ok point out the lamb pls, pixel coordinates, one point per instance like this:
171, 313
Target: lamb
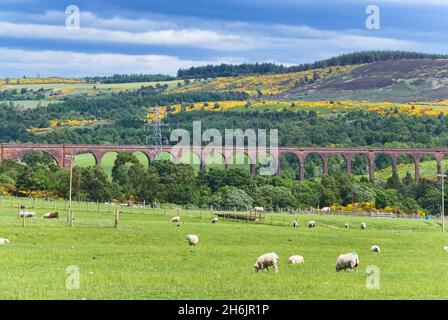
215, 220
347, 261
296, 260
267, 260
375, 248
295, 224
192, 239
175, 219
4, 241
312, 224
346, 226
363, 226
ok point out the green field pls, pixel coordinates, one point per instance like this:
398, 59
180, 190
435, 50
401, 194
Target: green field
428, 170
29, 104
147, 257
82, 88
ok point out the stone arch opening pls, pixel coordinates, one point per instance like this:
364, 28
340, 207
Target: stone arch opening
360, 164
85, 159
143, 158
337, 163
406, 165
384, 166
290, 165
214, 159
37, 155
107, 162
314, 165
240, 160
164, 156
192, 159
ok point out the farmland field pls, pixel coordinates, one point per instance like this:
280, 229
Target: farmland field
88, 86
147, 257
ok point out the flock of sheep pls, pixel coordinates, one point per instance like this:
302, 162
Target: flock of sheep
264, 262
31, 214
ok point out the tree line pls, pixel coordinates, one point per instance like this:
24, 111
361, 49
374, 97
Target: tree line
166, 183
128, 78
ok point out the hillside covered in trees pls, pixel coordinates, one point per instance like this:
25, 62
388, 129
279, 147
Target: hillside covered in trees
230, 70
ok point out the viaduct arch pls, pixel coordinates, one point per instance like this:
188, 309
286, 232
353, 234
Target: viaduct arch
64, 154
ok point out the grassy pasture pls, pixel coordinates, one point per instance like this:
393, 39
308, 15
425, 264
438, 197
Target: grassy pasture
147, 257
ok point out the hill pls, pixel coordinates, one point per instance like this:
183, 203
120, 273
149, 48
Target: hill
393, 80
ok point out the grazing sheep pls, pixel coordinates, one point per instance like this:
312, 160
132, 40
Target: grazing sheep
215, 220
192, 239
27, 214
363, 226
51, 215
312, 224
267, 260
347, 261
295, 224
4, 241
445, 248
346, 226
375, 248
296, 260
175, 219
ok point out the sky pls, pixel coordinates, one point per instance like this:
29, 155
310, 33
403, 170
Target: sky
161, 36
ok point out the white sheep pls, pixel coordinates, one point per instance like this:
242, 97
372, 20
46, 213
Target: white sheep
363, 226
295, 224
215, 220
347, 261
4, 241
311, 224
267, 260
375, 248
192, 239
175, 219
296, 260
346, 226
326, 209
27, 214
445, 248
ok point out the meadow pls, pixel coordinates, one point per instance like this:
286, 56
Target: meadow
147, 257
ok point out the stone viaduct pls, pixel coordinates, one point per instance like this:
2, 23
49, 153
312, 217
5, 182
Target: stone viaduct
64, 154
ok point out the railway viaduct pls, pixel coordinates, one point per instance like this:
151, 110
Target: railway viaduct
64, 154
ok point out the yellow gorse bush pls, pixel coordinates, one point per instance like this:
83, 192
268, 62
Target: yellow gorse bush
382, 108
271, 84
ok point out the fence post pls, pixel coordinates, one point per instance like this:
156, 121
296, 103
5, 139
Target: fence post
23, 218
71, 218
117, 211
98, 205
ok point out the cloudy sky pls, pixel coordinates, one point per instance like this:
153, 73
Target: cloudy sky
161, 36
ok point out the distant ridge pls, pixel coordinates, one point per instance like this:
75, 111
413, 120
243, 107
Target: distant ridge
229, 70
